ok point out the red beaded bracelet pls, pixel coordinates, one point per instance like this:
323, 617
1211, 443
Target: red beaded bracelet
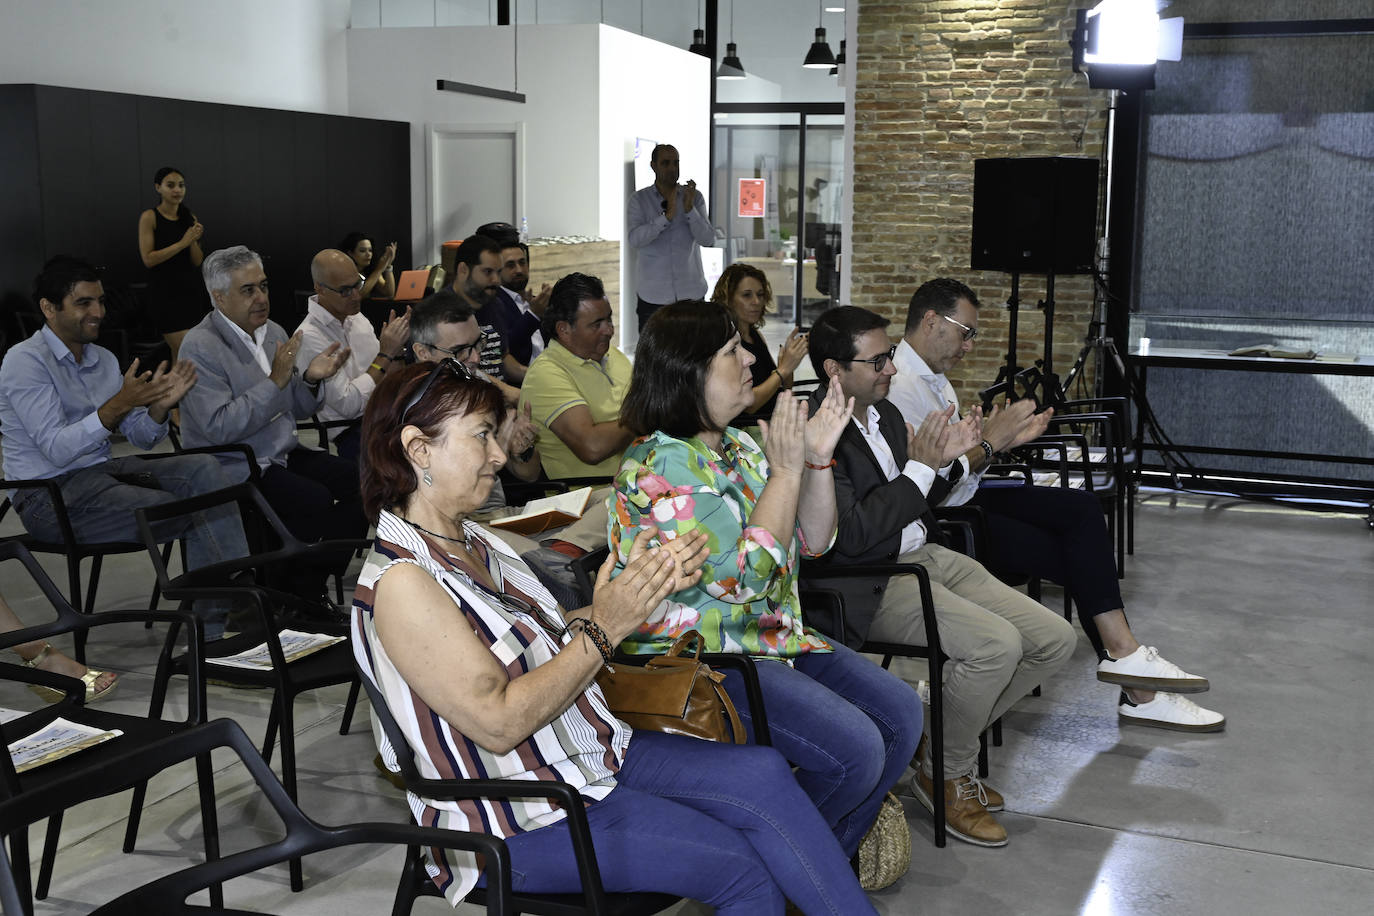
820, 467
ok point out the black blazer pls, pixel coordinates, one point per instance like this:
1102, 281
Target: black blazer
872, 513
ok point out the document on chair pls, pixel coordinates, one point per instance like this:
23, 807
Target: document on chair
60, 738
550, 512
294, 645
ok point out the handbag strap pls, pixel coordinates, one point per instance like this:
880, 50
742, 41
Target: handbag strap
680, 644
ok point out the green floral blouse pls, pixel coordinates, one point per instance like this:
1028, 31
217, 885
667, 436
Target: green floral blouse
746, 600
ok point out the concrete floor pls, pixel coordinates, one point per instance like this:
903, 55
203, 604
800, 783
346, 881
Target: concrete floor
1271, 816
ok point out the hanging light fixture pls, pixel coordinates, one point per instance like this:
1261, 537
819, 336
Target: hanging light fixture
820, 57
839, 60
730, 68
699, 37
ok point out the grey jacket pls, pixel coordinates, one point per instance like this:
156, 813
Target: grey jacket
233, 400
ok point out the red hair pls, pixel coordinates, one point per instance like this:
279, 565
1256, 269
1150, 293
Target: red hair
386, 476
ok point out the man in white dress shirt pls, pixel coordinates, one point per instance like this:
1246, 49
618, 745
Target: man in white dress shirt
668, 225
333, 316
1048, 532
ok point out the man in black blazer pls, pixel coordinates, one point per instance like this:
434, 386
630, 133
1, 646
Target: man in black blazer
1000, 642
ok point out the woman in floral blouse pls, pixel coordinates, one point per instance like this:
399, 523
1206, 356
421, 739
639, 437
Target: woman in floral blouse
848, 725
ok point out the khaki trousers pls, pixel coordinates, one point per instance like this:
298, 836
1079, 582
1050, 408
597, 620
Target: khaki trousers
1000, 643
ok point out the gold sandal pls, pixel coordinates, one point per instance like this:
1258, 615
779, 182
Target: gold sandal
52, 695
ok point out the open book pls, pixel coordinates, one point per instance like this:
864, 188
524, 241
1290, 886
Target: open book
550, 512
1273, 350
59, 738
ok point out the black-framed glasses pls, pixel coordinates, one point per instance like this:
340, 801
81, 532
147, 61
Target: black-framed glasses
460, 353
344, 291
969, 333
878, 362
452, 365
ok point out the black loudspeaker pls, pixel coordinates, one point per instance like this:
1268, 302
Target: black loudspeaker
1035, 215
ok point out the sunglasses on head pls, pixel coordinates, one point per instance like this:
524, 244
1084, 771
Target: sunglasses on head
451, 365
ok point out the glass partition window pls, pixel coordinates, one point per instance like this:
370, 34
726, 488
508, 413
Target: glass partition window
777, 189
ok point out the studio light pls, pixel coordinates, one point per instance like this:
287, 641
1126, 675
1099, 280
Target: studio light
1118, 42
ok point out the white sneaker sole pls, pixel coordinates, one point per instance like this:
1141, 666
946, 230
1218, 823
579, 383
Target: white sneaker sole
1171, 726
1166, 684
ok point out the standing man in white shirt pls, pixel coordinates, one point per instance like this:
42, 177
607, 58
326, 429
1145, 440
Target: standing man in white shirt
333, 317
668, 225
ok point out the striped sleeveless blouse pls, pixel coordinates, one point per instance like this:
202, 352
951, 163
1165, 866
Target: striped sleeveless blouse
583, 747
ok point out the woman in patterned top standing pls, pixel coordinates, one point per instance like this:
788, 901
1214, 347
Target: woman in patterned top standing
849, 726
488, 679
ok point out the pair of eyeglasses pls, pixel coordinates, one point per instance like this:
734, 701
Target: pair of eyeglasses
345, 291
463, 352
450, 364
969, 333
877, 362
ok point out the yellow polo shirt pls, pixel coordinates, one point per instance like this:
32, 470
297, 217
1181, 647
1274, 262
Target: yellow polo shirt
556, 381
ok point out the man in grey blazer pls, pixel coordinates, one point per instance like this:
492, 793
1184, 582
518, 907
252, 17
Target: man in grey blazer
250, 391
1000, 643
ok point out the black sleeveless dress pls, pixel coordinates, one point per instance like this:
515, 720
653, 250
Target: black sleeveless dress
177, 299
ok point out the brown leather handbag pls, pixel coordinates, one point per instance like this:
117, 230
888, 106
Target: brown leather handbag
673, 693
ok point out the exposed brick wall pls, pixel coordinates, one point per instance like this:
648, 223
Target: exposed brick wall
940, 83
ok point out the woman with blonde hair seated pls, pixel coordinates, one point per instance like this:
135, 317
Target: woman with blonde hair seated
744, 290
488, 678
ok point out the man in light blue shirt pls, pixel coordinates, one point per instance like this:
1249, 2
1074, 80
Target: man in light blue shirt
668, 225
62, 397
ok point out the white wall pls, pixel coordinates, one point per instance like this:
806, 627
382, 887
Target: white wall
263, 53
392, 74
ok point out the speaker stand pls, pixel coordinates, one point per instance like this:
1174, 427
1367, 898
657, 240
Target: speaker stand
1051, 392
1005, 383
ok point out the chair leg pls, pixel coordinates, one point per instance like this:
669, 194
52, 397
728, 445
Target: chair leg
350, 705
45, 866
74, 587
159, 696
937, 752
409, 886
983, 755
209, 821
288, 771
997, 731
273, 721
19, 862
96, 562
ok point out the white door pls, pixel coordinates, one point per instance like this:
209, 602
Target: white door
475, 176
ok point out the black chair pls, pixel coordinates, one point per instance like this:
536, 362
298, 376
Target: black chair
234, 581
73, 550
416, 883
814, 574
584, 570
92, 766
167, 895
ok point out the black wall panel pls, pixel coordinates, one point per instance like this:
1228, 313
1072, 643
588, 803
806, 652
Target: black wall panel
76, 170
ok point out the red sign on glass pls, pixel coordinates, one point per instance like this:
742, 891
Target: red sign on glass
751, 197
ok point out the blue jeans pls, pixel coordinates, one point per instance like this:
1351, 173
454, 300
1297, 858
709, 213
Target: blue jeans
101, 500
849, 727
721, 823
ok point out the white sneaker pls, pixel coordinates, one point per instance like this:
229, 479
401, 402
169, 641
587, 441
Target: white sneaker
1169, 710
1146, 669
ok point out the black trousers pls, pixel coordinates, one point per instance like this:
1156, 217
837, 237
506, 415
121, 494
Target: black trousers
1055, 534
317, 497
645, 310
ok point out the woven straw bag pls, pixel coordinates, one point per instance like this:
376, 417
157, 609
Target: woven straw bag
885, 853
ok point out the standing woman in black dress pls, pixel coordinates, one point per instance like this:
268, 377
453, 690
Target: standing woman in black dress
169, 241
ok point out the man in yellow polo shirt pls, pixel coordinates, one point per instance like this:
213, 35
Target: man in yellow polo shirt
576, 385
